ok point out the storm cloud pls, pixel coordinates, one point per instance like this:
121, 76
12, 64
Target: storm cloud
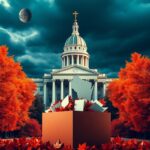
112, 29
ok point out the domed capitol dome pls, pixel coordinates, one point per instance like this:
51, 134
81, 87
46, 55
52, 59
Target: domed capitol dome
75, 49
74, 40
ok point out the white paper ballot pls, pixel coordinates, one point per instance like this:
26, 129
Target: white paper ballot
97, 106
65, 101
53, 107
57, 105
79, 105
97, 102
46, 111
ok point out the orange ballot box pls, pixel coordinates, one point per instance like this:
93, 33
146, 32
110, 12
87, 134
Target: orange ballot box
74, 127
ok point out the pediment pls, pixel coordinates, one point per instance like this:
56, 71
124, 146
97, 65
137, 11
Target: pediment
75, 70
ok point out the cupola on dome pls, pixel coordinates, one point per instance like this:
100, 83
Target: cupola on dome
75, 39
75, 49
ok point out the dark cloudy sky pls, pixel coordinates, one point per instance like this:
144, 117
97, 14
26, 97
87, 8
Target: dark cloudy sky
112, 29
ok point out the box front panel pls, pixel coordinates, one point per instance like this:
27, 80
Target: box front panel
57, 125
91, 127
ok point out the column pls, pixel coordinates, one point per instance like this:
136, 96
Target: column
70, 88
77, 59
82, 60
53, 91
72, 60
62, 61
85, 61
88, 62
104, 89
95, 90
67, 60
45, 94
62, 89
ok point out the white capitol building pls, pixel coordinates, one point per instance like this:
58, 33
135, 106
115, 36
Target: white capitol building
75, 62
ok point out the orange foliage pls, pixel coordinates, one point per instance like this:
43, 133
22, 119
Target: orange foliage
16, 93
82, 146
131, 93
37, 144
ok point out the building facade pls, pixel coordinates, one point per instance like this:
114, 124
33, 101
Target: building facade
75, 62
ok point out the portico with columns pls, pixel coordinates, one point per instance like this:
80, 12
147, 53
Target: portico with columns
75, 62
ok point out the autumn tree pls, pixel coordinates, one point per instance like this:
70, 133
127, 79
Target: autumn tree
130, 93
16, 93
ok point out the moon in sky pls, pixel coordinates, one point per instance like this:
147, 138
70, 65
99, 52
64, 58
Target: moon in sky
25, 15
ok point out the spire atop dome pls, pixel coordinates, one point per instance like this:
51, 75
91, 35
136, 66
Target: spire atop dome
75, 13
75, 26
